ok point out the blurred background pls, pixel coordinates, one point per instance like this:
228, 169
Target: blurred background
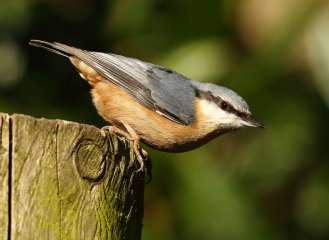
250, 184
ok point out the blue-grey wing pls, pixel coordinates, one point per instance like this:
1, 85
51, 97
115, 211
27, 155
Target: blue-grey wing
173, 93
160, 89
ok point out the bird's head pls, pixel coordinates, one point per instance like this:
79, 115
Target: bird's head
224, 109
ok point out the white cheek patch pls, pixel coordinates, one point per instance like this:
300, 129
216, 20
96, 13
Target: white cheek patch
215, 115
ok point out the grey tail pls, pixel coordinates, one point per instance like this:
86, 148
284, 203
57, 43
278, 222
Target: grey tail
68, 51
55, 47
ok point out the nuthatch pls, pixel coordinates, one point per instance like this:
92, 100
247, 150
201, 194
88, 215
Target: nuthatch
153, 104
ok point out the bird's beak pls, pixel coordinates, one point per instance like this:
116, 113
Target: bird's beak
250, 122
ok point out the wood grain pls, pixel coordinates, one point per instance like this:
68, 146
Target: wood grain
4, 176
63, 180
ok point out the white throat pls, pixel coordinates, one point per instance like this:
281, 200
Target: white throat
215, 116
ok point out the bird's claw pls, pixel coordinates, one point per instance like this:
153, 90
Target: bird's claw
141, 155
145, 164
106, 129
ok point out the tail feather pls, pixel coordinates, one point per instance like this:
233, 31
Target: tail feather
78, 57
71, 53
65, 50
57, 48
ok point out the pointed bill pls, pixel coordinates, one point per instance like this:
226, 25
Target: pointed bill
250, 122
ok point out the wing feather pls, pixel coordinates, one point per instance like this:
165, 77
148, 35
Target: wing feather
166, 92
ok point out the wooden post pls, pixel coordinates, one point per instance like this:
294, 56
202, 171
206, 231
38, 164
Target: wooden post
63, 180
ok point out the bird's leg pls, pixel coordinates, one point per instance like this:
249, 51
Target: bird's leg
132, 136
115, 130
137, 149
141, 154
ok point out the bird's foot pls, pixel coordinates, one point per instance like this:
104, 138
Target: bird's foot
114, 130
140, 153
139, 156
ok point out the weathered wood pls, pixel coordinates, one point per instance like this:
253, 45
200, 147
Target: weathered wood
63, 180
4, 166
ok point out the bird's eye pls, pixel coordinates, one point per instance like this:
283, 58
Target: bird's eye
223, 105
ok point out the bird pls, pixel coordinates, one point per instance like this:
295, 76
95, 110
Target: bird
158, 106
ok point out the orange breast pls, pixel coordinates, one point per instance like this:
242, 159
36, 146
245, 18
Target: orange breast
115, 105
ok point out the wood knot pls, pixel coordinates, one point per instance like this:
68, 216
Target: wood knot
90, 160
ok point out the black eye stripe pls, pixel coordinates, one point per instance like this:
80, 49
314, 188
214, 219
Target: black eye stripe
243, 115
229, 108
224, 105
221, 103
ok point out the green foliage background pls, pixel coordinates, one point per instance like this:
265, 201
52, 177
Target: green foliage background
250, 184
